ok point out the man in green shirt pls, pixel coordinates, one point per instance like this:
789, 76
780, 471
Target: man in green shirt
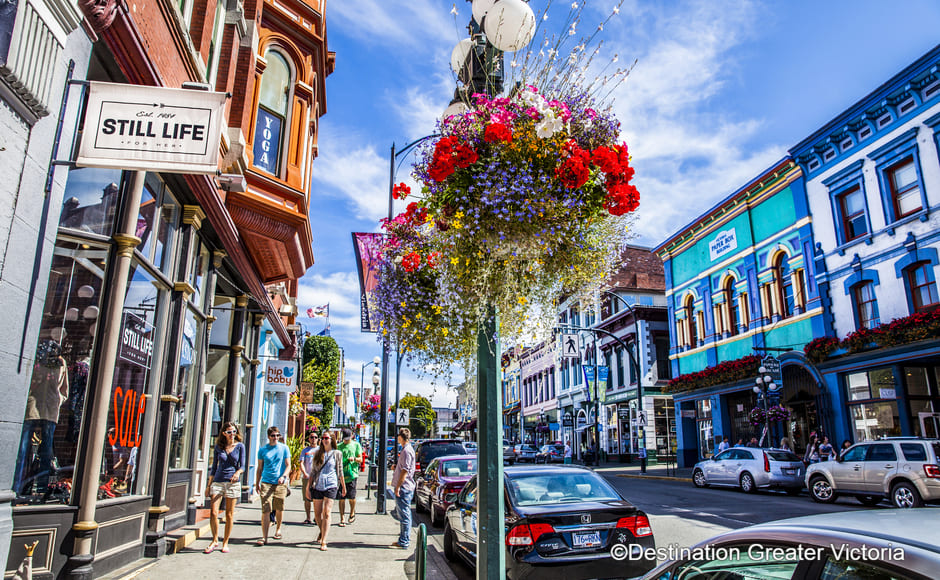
352, 457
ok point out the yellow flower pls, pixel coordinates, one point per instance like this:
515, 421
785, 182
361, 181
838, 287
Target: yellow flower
403, 304
455, 261
458, 215
444, 331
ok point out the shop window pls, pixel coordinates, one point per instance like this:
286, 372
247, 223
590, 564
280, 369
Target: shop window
198, 276
619, 352
915, 379
783, 281
91, 200
218, 27
188, 390
273, 119
156, 223
692, 338
52, 426
922, 286
873, 384
730, 307
875, 420
706, 439
127, 452
866, 307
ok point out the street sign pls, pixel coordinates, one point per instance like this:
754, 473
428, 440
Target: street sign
567, 420
315, 408
402, 417
641, 419
569, 346
772, 365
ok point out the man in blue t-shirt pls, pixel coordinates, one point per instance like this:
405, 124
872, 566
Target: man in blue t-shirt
271, 482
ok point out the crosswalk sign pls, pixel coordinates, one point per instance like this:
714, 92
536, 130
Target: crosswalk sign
570, 346
402, 417
641, 419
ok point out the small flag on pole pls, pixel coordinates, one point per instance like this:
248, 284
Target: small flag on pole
319, 311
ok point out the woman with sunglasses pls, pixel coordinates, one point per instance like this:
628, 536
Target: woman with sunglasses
306, 466
228, 464
326, 479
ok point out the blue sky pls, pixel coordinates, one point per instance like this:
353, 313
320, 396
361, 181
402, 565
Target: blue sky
720, 91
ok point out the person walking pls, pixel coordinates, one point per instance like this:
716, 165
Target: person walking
352, 456
326, 481
825, 450
724, 445
845, 445
567, 453
228, 464
306, 465
785, 445
271, 482
404, 483
812, 451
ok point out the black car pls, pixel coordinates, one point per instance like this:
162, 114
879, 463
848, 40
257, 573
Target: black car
429, 450
562, 522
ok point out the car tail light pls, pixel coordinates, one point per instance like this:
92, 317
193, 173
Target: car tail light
766, 462
527, 534
417, 467
932, 471
638, 525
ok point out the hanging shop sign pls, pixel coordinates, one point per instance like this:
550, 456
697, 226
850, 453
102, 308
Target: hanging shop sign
151, 128
136, 340
280, 376
306, 392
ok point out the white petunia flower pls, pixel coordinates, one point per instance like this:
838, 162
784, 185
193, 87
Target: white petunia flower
616, 10
454, 10
574, 5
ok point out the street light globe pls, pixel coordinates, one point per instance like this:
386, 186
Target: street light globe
762, 369
375, 380
757, 389
479, 8
768, 378
455, 108
377, 360
773, 386
759, 381
458, 57
510, 25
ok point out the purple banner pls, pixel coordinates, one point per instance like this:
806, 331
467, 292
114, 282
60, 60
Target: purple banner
368, 256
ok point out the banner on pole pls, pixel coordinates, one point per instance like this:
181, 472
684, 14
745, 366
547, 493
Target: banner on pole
368, 248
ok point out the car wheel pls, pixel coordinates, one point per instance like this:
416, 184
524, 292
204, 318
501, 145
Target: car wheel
904, 495
450, 549
698, 478
821, 490
747, 483
869, 500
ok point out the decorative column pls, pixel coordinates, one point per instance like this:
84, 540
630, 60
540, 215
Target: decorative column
256, 321
155, 539
235, 357
79, 565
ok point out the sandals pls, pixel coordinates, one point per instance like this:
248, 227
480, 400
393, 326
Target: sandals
225, 550
307, 522
352, 518
277, 536
261, 541
323, 547
211, 548
342, 524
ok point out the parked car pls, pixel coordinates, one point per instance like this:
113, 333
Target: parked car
751, 468
443, 477
553, 453
431, 449
852, 545
904, 470
522, 453
470, 446
561, 522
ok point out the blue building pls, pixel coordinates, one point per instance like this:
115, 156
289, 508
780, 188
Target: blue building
740, 284
873, 182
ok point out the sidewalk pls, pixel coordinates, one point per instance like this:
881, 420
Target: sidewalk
359, 550
654, 471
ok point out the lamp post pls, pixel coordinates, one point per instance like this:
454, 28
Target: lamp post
639, 375
764, 387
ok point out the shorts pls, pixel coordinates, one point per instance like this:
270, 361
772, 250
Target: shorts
227, 489
272, 497
350, 490
324, 494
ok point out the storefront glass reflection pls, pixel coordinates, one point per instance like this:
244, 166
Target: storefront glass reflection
187, 390
91, 200
52, 424
129, 408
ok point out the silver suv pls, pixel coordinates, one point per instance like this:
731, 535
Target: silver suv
905, 470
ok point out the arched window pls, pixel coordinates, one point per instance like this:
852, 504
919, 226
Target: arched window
690, 318
784, 281
273, 112
731, 307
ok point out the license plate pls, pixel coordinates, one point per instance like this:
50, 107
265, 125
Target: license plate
788, 471
586, 539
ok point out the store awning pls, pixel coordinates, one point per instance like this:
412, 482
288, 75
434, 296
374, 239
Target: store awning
471, 425
582, 428
457, 427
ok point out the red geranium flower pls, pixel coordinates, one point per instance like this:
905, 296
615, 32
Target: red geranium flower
497, 132
411, 262
400, 191
606, 159
465, 156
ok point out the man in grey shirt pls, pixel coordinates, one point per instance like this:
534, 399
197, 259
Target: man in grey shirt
404, 483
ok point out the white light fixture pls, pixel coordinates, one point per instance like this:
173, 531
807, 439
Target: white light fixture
91, 313
510, 25
455, 108
85, 291
479, 8
458, 57
757, 389
762, 370
71, 314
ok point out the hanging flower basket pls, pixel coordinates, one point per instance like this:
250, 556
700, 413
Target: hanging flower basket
370, 409
757, 415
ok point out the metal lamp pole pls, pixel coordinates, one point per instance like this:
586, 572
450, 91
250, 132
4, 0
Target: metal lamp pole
765, 385
639, 374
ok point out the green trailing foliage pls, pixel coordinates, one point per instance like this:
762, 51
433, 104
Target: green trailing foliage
321, 358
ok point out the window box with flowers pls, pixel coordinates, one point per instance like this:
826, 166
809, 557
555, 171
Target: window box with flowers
898, 332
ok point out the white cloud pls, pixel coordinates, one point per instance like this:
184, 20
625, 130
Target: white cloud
395, 22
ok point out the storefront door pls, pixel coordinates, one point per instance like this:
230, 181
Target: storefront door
930, 425
204, 454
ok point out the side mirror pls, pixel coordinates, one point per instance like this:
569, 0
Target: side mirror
451, 497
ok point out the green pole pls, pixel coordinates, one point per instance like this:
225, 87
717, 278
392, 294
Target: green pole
491, 553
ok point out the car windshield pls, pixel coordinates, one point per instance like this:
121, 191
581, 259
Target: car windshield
778, 455
552, 487
526, 448
434, 450
459, 468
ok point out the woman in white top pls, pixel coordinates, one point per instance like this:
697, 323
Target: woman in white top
326, 479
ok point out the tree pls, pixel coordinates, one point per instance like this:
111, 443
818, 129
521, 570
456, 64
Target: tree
422, 416
321, 358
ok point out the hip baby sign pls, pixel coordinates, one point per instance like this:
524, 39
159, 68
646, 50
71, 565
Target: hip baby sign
280, 376
151, 128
